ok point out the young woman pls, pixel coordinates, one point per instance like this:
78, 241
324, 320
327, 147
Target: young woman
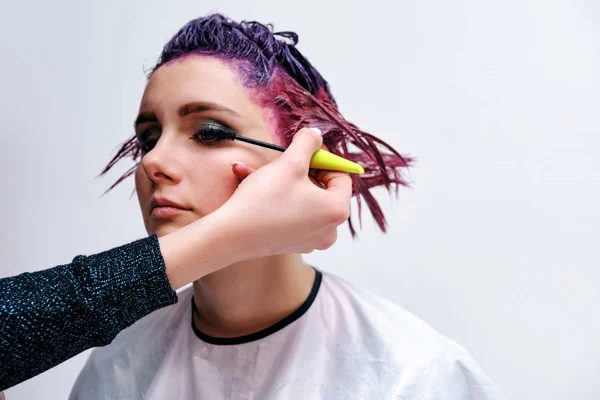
269, 327
95, 297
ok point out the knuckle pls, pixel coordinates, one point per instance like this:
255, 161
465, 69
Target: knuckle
347, 185
328, 240
321, 246
344, 213
348, 181
340, 214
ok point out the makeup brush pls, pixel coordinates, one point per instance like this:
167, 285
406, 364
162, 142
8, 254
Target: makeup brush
321, 159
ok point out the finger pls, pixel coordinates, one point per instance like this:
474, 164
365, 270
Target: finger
316, 182
305, 143
336, 182
241, 170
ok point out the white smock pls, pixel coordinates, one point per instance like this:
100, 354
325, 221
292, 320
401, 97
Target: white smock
342, 343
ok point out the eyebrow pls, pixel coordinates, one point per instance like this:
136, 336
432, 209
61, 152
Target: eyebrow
185, 110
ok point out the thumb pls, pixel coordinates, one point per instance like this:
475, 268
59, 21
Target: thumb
304, 144
241, 170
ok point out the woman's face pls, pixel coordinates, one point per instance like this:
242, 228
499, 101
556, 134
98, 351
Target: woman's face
182, 178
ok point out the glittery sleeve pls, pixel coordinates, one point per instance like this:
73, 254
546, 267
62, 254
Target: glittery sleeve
49, 316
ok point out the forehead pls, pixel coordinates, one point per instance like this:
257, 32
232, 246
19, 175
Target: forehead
197, 78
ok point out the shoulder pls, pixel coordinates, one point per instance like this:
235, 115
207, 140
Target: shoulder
387, 333
406, 337
451, 376
368, 317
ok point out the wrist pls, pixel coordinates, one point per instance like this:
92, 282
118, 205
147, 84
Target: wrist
198, 249
229, 235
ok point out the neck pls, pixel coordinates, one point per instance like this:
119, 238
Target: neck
252, 295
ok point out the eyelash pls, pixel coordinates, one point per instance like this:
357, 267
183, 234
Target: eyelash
209, 134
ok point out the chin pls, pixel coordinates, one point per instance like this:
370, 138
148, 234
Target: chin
163, 227
160, 232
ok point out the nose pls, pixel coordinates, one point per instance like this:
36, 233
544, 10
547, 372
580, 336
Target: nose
160, 164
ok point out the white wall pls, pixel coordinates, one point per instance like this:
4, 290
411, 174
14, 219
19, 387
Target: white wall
497, 244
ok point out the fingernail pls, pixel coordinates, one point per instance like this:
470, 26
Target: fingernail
317, 130
234, 163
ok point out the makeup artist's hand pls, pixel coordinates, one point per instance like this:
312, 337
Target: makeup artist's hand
277, 209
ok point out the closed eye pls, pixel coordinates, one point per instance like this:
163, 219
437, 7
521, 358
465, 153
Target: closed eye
147, 139
213, 132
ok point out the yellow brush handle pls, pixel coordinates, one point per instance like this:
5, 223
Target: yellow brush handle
323, 159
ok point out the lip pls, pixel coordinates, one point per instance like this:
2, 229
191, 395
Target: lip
161, 207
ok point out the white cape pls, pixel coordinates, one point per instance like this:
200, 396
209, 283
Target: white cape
344, 343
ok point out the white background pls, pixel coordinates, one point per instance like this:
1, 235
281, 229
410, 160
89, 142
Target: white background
496, 244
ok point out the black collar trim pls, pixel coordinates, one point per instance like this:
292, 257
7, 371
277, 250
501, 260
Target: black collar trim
300, 311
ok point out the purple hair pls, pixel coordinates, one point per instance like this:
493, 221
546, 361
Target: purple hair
285, 81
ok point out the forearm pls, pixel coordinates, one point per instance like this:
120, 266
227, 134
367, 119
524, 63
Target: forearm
49, 316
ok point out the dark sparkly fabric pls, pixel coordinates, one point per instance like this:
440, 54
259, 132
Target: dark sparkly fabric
49, 316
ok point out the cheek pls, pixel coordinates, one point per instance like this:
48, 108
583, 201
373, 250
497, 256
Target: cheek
142, 186
214, 181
